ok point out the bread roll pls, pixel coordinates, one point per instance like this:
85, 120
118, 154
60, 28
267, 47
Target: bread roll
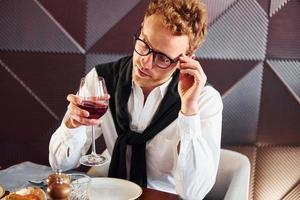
30, 193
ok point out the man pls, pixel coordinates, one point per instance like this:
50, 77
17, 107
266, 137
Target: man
163, 126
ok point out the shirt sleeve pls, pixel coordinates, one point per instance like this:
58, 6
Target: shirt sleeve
66, 147
200, 138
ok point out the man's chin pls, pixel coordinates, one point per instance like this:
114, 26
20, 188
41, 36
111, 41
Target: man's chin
142, 82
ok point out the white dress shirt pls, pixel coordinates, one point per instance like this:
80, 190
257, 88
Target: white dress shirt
190, 173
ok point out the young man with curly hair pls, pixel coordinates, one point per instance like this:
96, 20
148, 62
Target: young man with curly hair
163, 126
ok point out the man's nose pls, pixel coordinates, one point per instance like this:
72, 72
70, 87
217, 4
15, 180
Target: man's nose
147, 61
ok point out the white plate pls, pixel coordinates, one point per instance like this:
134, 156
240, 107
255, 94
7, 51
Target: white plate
113, 189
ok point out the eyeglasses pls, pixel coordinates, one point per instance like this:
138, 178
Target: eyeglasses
160, 60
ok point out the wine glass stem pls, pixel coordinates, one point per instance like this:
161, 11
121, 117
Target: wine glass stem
93, 142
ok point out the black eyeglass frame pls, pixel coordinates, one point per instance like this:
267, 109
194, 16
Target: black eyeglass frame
172, 61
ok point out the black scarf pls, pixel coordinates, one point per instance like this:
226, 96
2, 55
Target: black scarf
118, 77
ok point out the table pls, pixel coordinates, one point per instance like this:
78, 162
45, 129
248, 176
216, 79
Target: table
150, 194
16, 177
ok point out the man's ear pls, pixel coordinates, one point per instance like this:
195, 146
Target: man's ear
192, 54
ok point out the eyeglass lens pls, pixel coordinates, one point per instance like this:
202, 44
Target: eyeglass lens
159, 59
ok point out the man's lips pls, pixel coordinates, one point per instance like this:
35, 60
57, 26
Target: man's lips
141, 73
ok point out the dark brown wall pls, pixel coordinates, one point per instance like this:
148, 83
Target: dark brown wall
251, 55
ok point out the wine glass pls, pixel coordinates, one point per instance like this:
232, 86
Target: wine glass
93, 91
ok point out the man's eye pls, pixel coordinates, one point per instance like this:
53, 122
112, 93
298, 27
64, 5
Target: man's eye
144, 46
164, 59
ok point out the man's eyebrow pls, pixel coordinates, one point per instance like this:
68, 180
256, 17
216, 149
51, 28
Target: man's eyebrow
148, 42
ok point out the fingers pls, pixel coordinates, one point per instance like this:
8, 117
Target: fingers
192, 72
78, 116
78, 120
105, 97
189, 62
74, 99
75, 110
192, 64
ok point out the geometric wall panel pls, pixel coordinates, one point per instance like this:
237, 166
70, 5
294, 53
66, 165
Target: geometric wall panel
293, 194
280, 112
276, 5
241, 109
265, 4
241, 33
50, 76
39, 155
289, 73
21, 23
216, 7
72, 17
91, 60
284, 32
251, 56
110, 12
277, 171
25, 123
19, 103
119, 39
11, 73
216, 70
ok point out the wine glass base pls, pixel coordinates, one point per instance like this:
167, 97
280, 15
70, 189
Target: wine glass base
92, 160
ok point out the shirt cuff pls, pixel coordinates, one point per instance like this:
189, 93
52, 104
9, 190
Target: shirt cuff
189, 126
73, 136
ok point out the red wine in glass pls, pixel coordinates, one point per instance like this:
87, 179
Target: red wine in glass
95, 109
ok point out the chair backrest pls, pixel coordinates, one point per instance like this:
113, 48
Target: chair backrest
233, 177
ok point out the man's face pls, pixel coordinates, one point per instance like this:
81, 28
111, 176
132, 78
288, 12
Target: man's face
145, 73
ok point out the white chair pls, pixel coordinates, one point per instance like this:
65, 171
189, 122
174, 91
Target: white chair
233, 177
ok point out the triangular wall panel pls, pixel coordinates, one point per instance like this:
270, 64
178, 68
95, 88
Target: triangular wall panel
289, 72
119, 39
18, 105
92, 60
277, 171
71, 15
276, 5
215, 8
280, 112
21, 29
265, 4
216, 70
241, 109
51, 77
284, 33
103, 15
241, 33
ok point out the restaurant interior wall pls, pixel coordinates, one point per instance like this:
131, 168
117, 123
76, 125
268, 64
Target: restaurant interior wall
251, 55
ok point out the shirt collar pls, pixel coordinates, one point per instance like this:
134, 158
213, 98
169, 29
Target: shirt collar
162, 88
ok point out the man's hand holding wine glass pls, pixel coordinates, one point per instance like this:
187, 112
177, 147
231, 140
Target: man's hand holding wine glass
86, 109
78, 116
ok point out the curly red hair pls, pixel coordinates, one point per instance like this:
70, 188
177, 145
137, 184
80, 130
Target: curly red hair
182, 17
